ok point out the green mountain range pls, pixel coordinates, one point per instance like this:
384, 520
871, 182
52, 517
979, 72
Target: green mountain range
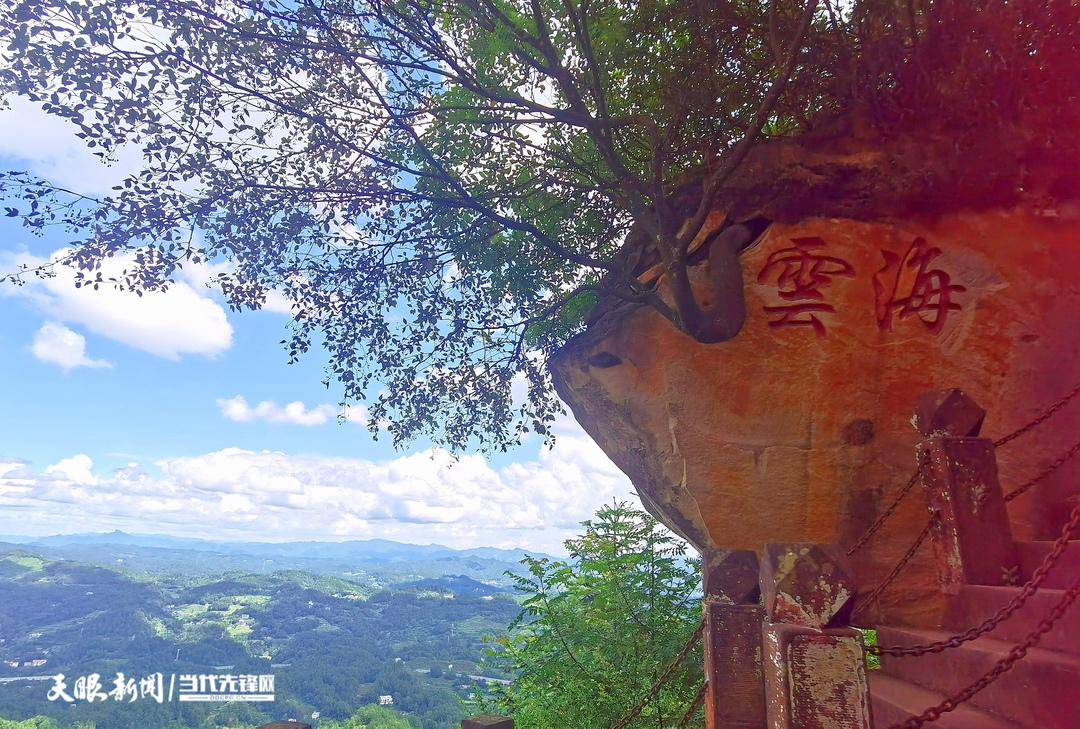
338, 626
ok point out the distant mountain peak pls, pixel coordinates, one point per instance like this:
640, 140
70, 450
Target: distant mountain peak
369, 549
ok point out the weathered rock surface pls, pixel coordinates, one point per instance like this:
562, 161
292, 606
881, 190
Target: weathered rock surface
799, 429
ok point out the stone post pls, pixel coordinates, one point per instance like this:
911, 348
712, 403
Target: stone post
972, 540
735, 697
815, 671
487, 721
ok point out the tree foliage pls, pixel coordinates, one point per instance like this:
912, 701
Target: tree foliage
370, 717
37, 722
443, 188
596, 633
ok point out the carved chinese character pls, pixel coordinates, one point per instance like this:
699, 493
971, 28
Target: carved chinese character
907, 286
801, 274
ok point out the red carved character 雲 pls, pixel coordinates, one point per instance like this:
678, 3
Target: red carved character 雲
802, 271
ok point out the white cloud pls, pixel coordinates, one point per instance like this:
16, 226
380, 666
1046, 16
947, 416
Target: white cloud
355, 414
75, 470
277, 302
238, 410
249, 495
48, 146
56, 344
179, 320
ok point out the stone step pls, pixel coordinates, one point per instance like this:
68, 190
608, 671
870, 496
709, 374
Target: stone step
894, 701
1065, 571
976, 603
1037, 692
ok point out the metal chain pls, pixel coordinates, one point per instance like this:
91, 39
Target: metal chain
694, 706
1046, 472
1017, 653
1039, 420
1029, 589
892, 507
625, 722
899, 565
998, 443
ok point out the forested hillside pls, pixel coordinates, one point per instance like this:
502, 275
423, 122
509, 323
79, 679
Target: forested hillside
333, 645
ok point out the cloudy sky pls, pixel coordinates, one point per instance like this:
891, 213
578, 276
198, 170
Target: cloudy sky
168, 414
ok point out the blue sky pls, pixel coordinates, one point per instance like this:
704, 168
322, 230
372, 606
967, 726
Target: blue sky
168, 414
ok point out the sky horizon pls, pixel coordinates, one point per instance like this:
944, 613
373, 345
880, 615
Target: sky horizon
24, 539
170, 414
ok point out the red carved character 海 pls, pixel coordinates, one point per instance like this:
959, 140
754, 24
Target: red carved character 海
907, 286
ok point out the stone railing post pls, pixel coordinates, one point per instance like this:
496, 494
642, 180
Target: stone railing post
487, 721
735, 697
973, 543
815, 671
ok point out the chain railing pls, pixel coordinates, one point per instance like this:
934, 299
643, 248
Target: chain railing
664, 678
1058, 463
694, 706
997, 444
1039, 420
888, 512
1037, 578
1024, 488
1017, 653
1029, 589
999, 668
1019, 650
876, 592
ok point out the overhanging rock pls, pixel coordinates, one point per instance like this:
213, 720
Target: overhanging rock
799, 428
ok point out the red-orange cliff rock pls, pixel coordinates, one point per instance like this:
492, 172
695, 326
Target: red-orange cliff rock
799, 428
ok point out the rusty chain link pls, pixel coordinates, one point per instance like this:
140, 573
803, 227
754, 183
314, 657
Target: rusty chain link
1046, 472
997, 443
1039, 420
694, 705
1029, 589
625, 721
1017, 652
876, 592
892, 507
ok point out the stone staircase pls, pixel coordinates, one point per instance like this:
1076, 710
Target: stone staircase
1041, 691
